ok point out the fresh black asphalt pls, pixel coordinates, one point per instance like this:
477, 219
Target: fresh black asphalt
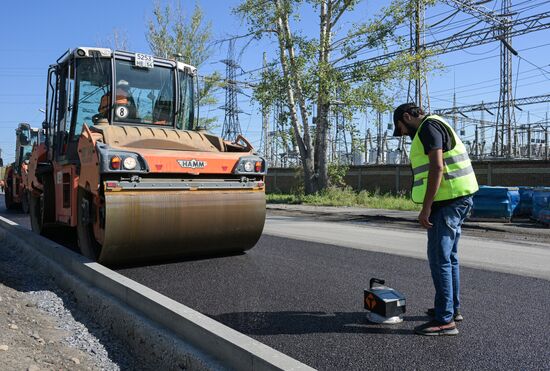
305, 300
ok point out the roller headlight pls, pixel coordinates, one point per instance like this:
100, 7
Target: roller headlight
117, 161
248, 166
253, 165
130, 163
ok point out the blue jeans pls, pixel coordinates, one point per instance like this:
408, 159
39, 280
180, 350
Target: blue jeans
443, 239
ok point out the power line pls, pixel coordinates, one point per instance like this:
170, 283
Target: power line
459, 88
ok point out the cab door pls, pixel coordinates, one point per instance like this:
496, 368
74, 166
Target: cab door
64, 164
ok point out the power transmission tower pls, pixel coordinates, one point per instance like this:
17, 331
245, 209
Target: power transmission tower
418, 88
231, 126
506, 119
417, 44
340, 147
493, 105
278, 138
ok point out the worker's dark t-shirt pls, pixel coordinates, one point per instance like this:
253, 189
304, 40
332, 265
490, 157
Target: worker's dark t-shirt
435, 135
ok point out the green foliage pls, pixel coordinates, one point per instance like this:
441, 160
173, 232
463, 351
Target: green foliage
368, 85
298, 187
346, 197
313, 74
336, 174
171, 34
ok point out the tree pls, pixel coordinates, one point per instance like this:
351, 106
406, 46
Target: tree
307, 73
117, 41
173, 35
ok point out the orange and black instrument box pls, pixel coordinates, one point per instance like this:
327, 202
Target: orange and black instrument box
384, 300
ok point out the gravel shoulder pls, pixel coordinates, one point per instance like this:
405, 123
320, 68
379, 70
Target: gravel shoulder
42, 329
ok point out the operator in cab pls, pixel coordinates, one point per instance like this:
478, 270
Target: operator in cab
124, 101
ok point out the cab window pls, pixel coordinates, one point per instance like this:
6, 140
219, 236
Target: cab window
186, 115
144, 95
93, 81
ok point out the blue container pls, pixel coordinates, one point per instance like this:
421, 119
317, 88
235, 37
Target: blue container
495, 203
525, 207
541, 200
544, 216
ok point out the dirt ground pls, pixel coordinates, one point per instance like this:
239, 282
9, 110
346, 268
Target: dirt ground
31, 339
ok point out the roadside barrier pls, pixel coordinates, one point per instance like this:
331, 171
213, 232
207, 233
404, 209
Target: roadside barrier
525, 207
541, 201
497, 203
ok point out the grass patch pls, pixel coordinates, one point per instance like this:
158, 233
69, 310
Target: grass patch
346, 197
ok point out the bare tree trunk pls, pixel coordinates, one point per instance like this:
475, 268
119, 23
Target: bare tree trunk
304, 148
294, 93
323, 100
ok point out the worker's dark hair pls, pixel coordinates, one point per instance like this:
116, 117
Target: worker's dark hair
410, 108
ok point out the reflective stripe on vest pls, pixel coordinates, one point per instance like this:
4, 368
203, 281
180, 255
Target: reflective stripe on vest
450, 175
458, 175
447, 161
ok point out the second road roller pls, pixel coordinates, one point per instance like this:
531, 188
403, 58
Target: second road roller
16, 174
125, 164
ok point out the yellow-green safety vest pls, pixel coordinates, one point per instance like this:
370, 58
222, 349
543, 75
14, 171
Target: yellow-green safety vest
458, 175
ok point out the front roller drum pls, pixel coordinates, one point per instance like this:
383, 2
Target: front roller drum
145, 226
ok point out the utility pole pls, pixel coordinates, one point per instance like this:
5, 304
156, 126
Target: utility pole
265, 121
529, 154
482, 148
546, 138
379, 139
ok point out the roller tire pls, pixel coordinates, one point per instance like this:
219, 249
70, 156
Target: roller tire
87, 244
25, 202
8, 198
42, 208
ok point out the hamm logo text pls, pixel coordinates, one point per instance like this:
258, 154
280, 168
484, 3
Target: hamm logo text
192, 164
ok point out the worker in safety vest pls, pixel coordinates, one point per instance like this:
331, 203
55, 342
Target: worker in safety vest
443, 182
123, 99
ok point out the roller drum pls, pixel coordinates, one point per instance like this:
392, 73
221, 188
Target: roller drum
152, 225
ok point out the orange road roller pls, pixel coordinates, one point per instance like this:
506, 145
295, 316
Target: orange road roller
126, 165
15, 181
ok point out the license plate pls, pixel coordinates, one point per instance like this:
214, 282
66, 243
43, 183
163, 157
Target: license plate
144, 60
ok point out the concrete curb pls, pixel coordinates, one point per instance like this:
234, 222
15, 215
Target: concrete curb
179, 336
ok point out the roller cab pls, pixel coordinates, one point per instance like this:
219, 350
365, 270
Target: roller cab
126, 167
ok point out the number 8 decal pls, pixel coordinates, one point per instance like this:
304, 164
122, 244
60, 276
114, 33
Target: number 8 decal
121, 112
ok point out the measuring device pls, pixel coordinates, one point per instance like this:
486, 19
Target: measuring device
383, 304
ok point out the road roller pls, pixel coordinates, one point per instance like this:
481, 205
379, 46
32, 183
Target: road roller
126, 165
15, 180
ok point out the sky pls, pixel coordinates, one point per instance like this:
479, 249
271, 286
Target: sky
33, 34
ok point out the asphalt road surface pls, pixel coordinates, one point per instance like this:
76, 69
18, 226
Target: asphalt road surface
304, 298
